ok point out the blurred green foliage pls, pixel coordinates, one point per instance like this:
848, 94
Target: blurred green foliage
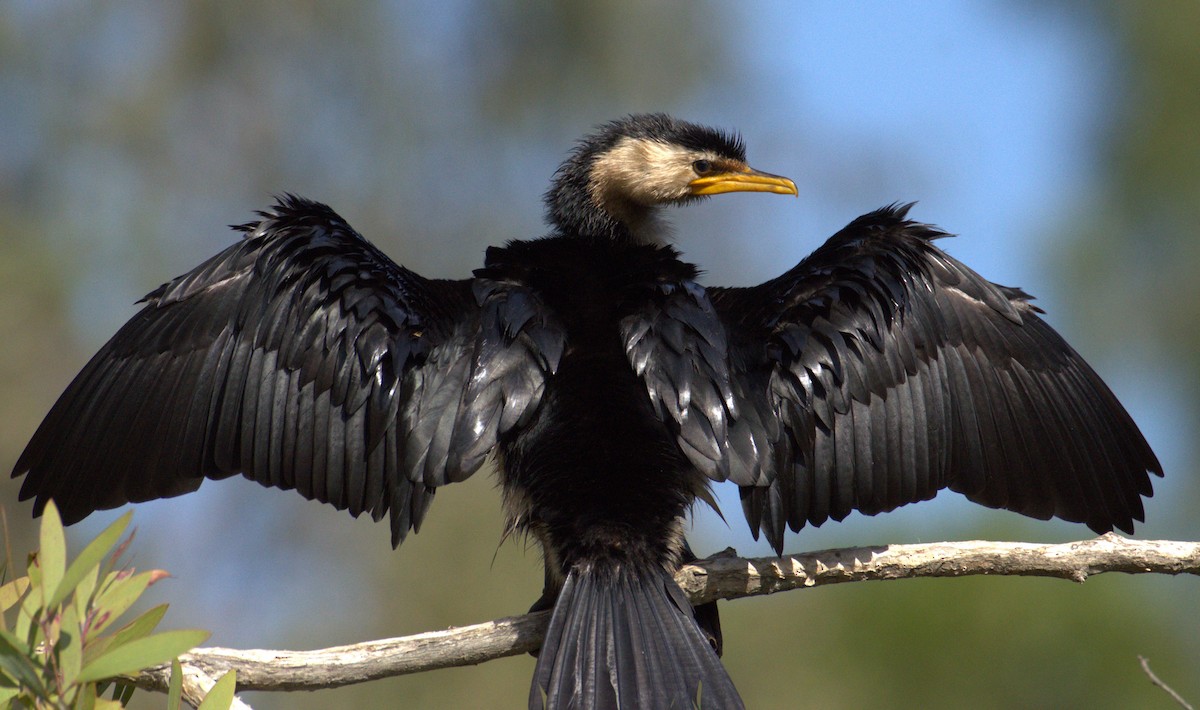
1143, 217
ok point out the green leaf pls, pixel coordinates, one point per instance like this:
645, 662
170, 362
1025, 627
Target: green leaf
220, 696
110, 563
15, 662
95, 647
31, 608
12, 592
34, 570
142, 653
52, 551
69, 648
86, 700
140, 627
24, 623
86, 588
175, 687
91, 556
117, 598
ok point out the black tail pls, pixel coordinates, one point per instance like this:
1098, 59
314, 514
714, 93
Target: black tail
627, 639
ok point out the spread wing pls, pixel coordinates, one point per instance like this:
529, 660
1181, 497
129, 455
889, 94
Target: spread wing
305, 359
880, 370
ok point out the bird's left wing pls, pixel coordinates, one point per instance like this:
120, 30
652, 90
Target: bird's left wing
880, 370
305, 359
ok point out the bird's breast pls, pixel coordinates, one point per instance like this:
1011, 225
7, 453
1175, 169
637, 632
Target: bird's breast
596, 464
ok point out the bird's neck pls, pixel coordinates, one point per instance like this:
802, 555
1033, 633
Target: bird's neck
576, 207
639, 224
615, 220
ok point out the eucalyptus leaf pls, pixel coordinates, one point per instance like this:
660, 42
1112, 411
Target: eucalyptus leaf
86, 588
69, 648
175, 687
86, 700
31, 608
12, 592
91, 557
52, 553
120, 595
140, 627
142, 653
16, 663
220, 696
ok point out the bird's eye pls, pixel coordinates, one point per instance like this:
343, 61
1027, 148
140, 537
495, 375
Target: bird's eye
702, 167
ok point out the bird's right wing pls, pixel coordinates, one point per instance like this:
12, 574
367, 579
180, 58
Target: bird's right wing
303, 358
881, 370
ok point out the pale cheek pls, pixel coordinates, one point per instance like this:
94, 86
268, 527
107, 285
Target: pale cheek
665, 185
683, 175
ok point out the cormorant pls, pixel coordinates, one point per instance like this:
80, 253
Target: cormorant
613, 388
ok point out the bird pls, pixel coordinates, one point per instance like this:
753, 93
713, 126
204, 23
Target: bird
613, 389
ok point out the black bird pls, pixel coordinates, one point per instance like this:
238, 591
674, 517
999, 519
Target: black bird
613, 388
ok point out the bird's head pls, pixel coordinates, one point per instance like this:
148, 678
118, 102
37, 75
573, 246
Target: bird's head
617, 179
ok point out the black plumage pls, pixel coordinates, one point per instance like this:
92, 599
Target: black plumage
613, 388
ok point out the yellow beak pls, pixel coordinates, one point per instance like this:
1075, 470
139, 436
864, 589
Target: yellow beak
747, 180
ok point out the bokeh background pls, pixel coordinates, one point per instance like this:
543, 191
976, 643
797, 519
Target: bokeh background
1061, 140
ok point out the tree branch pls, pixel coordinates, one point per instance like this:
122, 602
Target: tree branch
1158, 682
723, 576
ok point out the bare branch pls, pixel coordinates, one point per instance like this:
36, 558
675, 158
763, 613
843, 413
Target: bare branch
336, 666
724, 576
1156, 681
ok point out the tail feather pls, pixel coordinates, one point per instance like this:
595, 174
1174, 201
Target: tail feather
627, 639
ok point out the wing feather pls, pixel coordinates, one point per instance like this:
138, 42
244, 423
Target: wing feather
676, 343
881, 370
302, 358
